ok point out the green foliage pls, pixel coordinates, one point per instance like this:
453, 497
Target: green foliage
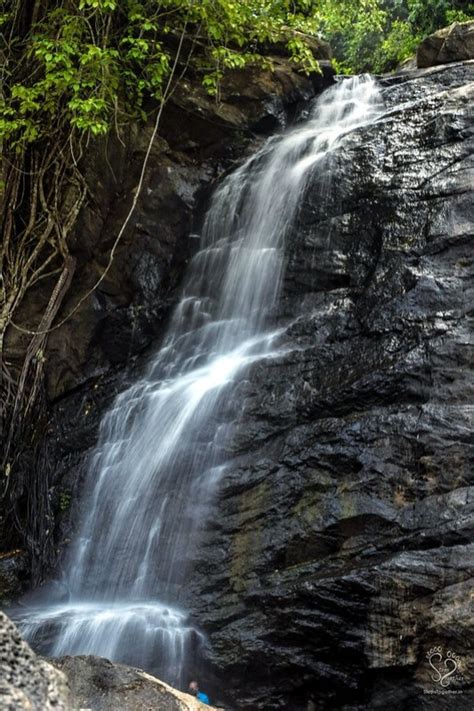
79, 64
88, 64
353, 28
376, 35
398, 44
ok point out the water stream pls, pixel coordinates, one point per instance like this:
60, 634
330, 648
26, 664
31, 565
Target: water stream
160, 452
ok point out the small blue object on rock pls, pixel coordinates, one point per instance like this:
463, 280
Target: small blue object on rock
204, 698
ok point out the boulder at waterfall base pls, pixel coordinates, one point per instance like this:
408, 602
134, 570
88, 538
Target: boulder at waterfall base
99, 685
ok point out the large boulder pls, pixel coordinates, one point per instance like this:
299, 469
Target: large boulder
99, 685
28, 683
450, 44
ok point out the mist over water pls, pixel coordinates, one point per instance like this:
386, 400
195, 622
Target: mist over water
161, 447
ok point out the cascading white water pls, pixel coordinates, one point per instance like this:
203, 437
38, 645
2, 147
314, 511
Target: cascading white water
160, 449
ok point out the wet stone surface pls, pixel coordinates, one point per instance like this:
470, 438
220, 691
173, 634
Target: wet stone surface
109, 341
338, 552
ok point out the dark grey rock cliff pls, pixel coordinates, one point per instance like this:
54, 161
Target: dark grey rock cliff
339, 552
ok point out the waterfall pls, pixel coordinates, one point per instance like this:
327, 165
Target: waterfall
161, 447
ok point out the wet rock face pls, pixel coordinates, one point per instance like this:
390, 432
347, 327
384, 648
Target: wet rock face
89, 358
199, 138
450, 44
13, 573
28, 683
338, 554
